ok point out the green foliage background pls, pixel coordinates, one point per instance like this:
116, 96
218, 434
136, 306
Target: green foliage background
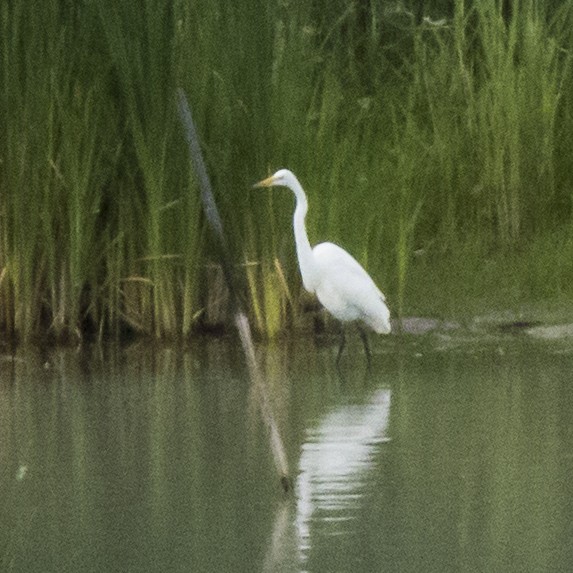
433, 139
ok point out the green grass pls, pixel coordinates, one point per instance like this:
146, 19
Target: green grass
449, 140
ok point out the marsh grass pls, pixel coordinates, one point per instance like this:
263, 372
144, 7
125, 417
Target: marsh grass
424, 145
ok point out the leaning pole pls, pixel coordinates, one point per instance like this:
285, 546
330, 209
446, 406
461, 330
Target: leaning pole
240, 317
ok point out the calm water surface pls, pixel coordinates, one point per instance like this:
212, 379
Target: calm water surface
452, 454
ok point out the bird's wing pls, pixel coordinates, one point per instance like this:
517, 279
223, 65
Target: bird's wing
347, 290
343, 269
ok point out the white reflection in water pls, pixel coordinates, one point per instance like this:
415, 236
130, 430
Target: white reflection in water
334, 464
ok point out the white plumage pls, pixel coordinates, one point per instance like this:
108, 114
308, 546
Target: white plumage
340, 282
346, 290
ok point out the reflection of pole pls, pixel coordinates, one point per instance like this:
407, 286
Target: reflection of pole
241, 320
282, 547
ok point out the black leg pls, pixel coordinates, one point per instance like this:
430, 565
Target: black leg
364, 338
342, 345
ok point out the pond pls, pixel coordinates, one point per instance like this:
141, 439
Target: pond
454, 452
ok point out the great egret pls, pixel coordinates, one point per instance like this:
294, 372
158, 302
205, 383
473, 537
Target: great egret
339, 281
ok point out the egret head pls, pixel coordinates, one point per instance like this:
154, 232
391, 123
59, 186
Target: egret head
282, 177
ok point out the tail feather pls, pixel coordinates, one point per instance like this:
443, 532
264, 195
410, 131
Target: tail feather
379, 321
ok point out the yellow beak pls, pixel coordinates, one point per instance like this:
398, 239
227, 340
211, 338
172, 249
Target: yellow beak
268, 182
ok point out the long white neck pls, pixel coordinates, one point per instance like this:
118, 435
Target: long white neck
303, 249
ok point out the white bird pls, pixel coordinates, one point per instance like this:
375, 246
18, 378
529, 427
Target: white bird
339, 281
